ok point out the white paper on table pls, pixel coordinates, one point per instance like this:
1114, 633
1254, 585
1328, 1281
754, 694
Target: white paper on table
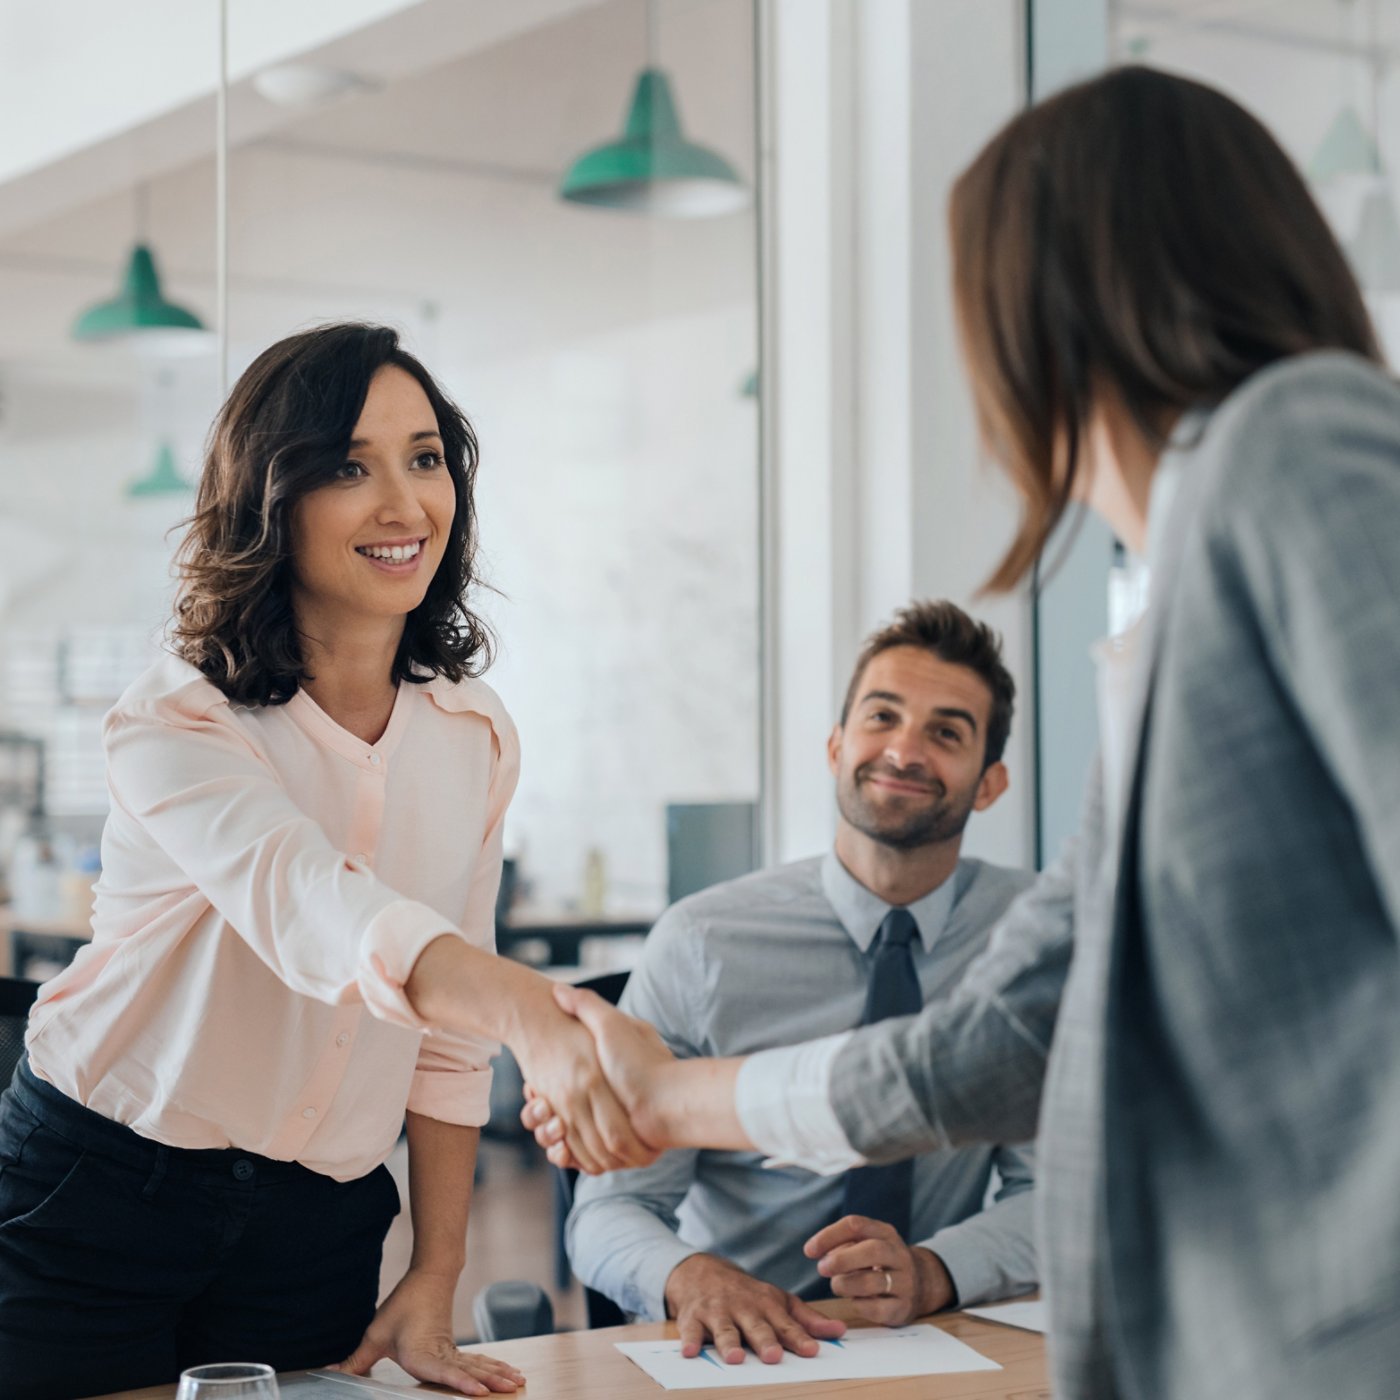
864, 1353
336, 1385
1030, 1315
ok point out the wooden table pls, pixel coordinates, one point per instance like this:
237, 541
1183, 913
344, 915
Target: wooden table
585, 1365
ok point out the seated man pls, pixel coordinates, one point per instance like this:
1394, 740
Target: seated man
888, 919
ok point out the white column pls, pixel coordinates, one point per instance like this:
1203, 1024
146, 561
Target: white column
808, 388
873, 490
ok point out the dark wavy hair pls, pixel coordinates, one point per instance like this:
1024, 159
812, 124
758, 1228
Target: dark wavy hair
284, 431
1142, 233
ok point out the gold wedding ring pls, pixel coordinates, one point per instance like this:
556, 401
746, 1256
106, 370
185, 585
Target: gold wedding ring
889, 1283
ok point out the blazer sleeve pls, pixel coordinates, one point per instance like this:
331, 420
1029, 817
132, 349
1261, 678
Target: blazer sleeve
969, 1067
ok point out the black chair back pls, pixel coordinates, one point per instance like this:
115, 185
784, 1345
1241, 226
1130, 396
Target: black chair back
16, 997
602, 1311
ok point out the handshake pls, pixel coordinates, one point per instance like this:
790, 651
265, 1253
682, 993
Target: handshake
604, 1092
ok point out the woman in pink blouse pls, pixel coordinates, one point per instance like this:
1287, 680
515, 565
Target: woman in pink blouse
293, 938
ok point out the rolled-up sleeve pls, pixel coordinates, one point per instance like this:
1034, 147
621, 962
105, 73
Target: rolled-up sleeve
212, 803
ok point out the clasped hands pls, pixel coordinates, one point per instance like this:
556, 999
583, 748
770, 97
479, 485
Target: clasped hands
609, 1113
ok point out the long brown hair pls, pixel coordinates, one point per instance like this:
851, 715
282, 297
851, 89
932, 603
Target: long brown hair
284, 431
1139, 232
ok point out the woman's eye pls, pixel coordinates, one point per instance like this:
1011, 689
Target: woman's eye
348, 471
426, 461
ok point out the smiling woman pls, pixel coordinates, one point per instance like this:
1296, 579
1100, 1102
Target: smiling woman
292, 940
329, 425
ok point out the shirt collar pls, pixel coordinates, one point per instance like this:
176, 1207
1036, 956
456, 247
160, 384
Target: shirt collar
861, 912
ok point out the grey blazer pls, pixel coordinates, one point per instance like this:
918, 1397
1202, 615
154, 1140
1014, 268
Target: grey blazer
1201, 1009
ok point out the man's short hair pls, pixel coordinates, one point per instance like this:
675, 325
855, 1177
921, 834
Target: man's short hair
947, 632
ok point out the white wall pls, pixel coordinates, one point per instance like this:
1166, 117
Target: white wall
618, 518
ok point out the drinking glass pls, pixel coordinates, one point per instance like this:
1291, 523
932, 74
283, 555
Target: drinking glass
229, 1380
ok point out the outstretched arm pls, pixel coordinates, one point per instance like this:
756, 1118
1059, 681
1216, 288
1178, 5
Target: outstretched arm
968, 1068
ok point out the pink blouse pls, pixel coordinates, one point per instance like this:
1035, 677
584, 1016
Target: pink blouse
268, 881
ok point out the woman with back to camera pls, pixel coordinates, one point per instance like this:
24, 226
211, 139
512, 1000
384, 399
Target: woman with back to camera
294, 930
1199, 1003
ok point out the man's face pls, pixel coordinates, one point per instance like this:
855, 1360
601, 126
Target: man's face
908, 760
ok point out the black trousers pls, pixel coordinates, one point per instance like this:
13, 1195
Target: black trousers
122, 1262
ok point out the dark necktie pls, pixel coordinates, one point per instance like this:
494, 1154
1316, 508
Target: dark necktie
883, 1193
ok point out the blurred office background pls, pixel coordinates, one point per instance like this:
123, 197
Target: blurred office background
724, 431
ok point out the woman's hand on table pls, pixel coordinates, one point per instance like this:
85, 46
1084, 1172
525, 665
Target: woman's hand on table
631, 1054
413, 1327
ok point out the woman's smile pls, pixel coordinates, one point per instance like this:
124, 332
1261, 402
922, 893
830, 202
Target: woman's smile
398, 557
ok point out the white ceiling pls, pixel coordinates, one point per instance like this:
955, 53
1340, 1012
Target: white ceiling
438, 189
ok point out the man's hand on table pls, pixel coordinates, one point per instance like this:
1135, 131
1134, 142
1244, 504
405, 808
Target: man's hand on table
711, 1298
414, 1328
890, 1282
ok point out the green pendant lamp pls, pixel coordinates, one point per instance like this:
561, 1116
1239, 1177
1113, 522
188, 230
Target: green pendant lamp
163, 479
141, 314
1346, 149
652, 168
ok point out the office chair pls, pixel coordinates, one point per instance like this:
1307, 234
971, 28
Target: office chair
513, 1308
16, 997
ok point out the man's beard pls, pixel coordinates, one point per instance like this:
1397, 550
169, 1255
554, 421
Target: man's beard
904, 829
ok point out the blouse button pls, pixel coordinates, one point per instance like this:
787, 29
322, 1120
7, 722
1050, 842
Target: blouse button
343, 1038
361, 858
308, 1113
374, 759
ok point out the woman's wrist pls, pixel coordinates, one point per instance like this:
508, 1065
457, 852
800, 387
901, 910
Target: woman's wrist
435, 1274
465, 988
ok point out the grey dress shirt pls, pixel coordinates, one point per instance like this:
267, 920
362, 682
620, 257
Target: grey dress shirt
771, 959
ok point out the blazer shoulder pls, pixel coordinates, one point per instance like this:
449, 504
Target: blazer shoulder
1275, 432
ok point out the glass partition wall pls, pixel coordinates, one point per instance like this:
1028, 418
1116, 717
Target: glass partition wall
553, 200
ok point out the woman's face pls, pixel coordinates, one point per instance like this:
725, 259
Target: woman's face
367, 544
